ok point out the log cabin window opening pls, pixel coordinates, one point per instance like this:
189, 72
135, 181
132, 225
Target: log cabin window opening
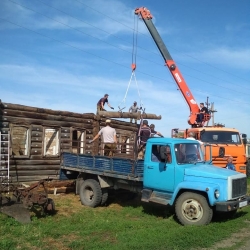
20, 141
51, 142
78, 142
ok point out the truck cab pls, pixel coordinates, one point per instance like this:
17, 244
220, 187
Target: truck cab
177, 173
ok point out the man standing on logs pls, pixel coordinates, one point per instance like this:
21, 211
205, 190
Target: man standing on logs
133, 109
101, 103
109, 139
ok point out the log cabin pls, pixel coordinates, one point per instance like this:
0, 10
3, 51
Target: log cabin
33, 139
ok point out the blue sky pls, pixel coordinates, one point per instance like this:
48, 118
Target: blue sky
65, 55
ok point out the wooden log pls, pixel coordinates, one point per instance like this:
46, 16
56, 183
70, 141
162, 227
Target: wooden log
118, 126
36, 133
36, 145
108, 114
34, 167
61, 190
40, 157
35, 178
35, 162
60, 183
36, 139
36, 128
11, 106
4, 124
44, 117
33, 172
35, 151
25, 120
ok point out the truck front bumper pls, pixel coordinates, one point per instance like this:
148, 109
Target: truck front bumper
228, 206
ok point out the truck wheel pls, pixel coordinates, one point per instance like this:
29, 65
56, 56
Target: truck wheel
90, 193
105, 196
193, 209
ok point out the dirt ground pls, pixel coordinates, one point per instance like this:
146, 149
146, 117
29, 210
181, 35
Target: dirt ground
230, 243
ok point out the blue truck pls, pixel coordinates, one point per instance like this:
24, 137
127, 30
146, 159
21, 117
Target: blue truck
173, 172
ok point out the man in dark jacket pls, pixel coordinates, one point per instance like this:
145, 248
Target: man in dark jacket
101, 103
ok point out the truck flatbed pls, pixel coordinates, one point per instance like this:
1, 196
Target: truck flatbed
121, 168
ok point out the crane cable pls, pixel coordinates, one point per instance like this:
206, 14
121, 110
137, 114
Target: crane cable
133, 65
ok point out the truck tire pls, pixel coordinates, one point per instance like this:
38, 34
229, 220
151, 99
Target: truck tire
193, 209
105, 196
90, 193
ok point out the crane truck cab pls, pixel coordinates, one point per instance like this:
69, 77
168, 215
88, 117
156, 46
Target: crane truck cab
218, 137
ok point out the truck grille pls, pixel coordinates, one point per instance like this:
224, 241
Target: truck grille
239, 187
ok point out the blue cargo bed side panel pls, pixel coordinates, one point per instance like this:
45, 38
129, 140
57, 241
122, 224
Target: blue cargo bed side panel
103, 163
70, 160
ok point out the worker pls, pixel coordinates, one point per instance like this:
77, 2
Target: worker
145, 133
153, 132
191, 136
109, 139
230, 164
101, 103
133, 109
203, 112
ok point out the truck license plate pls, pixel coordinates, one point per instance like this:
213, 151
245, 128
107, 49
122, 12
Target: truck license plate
243, 204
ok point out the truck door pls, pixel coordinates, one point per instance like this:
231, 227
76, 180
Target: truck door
159, 171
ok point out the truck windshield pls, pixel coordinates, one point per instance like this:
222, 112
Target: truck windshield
221, 137
188, 153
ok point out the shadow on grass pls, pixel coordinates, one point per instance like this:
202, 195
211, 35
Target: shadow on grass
129, 199
222, 217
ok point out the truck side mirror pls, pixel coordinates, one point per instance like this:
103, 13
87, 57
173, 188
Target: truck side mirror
221, 152
244, 135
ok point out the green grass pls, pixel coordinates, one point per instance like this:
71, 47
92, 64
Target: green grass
121, 225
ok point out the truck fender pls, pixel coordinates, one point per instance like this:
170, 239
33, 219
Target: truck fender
207, 188
105, 182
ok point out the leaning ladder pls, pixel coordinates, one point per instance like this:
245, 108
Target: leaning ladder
4, 157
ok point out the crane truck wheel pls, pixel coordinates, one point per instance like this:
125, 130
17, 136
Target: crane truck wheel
193, 209
90, 193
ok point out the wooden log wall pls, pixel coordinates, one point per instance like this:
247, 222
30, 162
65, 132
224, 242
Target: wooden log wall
36, 165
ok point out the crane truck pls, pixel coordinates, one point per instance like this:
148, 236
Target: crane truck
229, 138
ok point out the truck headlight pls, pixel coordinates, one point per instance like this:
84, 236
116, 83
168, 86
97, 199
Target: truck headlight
216, 193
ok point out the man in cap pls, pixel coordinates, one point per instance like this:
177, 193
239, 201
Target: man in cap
145, 133
101, 103
109, 139
133, 109
153, 132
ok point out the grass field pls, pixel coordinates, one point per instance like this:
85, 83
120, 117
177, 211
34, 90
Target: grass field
125, 223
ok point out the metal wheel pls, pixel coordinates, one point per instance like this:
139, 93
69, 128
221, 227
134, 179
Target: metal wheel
193, 209
90, 193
